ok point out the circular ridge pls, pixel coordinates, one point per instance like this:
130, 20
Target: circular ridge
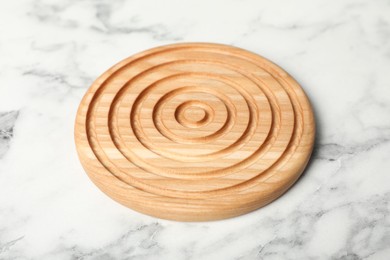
194, 131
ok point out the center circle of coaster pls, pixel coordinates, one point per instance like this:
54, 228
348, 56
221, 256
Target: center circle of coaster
194, 114
194, 132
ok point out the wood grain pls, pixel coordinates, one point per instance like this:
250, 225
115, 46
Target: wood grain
194, 132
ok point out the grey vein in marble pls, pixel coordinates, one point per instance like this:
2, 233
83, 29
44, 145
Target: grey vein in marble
7, 122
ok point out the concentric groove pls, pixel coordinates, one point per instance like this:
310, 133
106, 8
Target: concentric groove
164, 130
192, 127
206, 114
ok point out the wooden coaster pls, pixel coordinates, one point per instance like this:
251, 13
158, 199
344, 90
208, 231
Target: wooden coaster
194, 132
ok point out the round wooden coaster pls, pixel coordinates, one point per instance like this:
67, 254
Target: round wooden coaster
194, 132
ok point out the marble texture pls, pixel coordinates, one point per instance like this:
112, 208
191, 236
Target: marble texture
51, 51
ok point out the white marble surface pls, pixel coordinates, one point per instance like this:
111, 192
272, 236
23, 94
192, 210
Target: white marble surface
51, 51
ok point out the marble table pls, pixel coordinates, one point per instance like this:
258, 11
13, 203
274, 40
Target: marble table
51, 51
